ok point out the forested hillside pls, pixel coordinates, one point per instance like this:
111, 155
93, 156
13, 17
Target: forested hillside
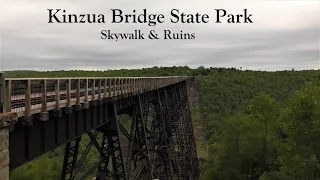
256, 124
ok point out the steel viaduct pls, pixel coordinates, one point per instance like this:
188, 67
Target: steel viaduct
39, 114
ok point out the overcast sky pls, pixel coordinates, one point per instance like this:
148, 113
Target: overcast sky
284, 35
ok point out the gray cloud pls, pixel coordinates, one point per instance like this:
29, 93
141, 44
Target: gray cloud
280, 38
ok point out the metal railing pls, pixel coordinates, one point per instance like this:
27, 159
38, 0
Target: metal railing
27, 96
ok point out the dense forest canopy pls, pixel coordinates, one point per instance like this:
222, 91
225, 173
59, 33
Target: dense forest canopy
249, 124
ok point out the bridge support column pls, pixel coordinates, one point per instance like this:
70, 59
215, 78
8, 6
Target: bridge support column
4, 153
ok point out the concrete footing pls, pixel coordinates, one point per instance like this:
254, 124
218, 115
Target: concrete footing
4, 153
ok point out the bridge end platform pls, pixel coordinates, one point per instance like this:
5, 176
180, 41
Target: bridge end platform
4, 134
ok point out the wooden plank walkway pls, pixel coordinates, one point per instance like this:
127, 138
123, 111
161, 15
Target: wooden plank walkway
27, 96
